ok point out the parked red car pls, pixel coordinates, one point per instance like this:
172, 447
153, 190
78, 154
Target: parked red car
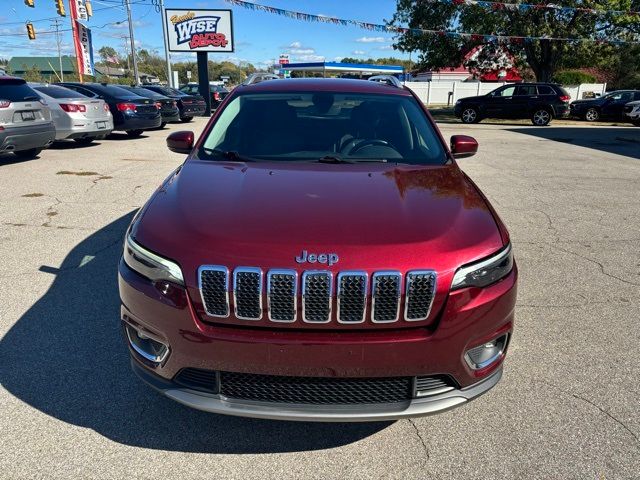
319, 256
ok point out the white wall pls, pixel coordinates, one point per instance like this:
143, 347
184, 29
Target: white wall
447, 92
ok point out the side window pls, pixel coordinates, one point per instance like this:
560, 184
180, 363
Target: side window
525, 90
626, 97
545, 90
507, 92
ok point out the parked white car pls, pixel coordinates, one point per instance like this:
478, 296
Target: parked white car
632, 112
76, 116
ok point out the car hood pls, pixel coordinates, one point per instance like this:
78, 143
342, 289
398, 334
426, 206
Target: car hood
374, 216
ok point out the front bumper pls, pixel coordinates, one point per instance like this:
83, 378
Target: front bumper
15, 139
417, 407
470, 317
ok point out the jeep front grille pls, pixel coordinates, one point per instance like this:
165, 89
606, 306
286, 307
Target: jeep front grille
419, 289
318, 294
316, 297
385, 297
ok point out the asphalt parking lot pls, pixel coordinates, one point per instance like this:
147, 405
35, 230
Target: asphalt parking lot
568, 405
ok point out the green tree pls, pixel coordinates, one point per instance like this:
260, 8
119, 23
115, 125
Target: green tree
32, 74
544, 56
107, 52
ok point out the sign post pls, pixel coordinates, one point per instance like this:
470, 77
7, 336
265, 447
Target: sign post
200, 31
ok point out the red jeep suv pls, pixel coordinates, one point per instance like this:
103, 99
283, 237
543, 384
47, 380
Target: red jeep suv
318, 256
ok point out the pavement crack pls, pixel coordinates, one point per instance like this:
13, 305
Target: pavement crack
595, 405
420, 438
600, 265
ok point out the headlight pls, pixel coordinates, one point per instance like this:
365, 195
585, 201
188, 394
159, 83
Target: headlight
458, 102
485, 272
150, 265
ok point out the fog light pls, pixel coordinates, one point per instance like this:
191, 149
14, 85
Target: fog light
484, 355
148, 348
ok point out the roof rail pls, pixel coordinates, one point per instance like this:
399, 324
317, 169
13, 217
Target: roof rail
386, 79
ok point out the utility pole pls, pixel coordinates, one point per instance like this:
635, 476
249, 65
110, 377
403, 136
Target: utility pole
160, 7
56, 24
125, 39
133, 43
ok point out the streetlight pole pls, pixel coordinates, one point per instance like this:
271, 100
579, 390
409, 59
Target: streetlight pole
56, 25
133, 43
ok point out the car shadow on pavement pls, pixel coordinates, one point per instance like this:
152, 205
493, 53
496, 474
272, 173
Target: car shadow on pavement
618, 140
71, 145
124, 136
65, 357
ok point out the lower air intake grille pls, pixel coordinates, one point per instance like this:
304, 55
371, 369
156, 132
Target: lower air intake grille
197, 379
315, 390
426, 386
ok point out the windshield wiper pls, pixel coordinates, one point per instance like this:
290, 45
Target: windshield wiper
230, 155
333, 159
339, 159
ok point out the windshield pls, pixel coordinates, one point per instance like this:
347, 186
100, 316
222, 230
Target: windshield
328, 127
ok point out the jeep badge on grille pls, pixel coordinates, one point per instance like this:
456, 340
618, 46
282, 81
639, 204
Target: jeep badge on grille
328, 258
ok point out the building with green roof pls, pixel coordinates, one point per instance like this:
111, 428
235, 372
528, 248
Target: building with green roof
48, 66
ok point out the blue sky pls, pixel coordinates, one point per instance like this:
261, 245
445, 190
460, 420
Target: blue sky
259, 37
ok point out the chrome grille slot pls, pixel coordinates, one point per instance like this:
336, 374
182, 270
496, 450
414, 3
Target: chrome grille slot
316, 296
433, 385
214, 289
247, 293
282, 291
385, 297
352, 297
419, 294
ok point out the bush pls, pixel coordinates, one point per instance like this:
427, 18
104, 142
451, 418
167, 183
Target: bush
573, 77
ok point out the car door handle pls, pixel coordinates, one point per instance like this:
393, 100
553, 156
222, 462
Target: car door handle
535, 97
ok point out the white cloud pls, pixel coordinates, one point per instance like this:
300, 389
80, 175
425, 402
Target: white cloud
295, 45
385, 47
301, 51
358, 52
372, 40
309, 58
337, 59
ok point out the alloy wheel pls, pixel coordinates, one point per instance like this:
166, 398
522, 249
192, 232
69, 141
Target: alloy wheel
541, 117
469, 115
591, 115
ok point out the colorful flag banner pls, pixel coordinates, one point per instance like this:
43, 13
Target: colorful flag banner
525, 7
79, 10
84, 49
422, 31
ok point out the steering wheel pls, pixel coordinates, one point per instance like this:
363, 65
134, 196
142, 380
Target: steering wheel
368, 143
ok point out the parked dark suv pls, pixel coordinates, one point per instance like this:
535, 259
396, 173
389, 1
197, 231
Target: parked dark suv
540, 102
609, 106
131, 113
218, 92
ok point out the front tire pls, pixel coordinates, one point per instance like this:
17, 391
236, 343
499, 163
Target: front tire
592, 115
163, 124
470, 115
541, 117
134, 133
28, 154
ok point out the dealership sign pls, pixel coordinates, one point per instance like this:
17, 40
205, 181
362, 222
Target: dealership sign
199, 30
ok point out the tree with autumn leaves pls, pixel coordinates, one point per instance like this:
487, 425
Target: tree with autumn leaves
543, 55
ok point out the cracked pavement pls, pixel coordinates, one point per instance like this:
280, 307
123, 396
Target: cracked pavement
568, 405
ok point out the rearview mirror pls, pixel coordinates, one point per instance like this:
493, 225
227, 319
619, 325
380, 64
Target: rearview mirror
463, 146
180, 142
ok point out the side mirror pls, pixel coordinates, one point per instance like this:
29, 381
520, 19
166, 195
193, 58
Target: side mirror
463, 146
180, 142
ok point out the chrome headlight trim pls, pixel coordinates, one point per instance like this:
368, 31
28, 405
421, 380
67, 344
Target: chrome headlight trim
150, 265
485, 272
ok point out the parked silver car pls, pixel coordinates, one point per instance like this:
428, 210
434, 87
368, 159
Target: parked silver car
25, 120
76, 116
